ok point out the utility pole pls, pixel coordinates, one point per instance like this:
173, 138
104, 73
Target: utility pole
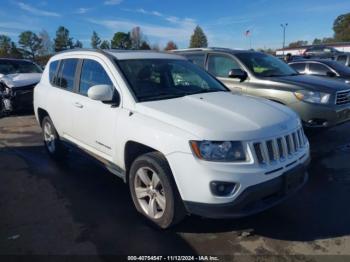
284, 26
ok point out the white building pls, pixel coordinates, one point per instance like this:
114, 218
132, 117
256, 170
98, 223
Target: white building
343, 47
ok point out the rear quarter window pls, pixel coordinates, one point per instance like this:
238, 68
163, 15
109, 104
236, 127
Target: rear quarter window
52, 71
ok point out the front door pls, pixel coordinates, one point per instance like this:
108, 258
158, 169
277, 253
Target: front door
220, 65
94, 122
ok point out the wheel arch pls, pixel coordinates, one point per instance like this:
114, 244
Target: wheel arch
41, 114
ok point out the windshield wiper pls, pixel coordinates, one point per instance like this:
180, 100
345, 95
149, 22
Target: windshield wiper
205, 91
159, 97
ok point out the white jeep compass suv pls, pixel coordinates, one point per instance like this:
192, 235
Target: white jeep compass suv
175, 134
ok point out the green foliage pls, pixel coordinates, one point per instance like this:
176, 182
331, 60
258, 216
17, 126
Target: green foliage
298, 43
105, 45
341, 27
8, 48
198, 39
5, 45
170, 46
95, 40
121, 40
78, 44
30, 44
317, 41
62, 40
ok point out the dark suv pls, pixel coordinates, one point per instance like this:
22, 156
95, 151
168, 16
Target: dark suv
320, 102
321, 51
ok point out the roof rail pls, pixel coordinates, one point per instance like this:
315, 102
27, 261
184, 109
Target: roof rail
203, 49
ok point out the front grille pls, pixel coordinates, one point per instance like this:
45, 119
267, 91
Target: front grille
343, 97
279, 148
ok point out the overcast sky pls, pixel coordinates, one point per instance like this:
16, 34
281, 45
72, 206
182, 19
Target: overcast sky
224, 21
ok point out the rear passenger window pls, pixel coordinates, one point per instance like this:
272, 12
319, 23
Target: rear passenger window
52, 71
92, 73
197, 59
67, 73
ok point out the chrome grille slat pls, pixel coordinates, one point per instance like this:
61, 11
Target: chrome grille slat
265, 154
342, 97
277, 149
292, 145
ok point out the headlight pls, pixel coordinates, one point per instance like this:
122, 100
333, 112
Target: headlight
225, 151
312, 96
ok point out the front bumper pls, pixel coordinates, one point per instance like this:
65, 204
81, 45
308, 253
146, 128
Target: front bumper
19, 100
321, 116
253, 182
255, 198
23, 99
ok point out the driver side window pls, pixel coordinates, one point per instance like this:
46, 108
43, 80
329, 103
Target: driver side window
220, 65
92, 73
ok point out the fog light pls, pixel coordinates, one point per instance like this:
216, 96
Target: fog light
219, 188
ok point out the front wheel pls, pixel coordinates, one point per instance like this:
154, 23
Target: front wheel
52, 141
154, 191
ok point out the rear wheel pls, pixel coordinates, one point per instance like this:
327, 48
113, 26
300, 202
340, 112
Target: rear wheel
153, 190
52, 141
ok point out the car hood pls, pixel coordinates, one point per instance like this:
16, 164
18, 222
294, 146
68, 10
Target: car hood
314, 83
223, 116
20, 80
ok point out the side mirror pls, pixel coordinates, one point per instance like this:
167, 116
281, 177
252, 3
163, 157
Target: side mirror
102, 93
331, 74
238, 73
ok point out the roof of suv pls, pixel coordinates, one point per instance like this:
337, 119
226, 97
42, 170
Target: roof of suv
216, 49
128, 54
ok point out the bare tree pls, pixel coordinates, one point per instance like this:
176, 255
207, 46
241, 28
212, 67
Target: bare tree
136, 37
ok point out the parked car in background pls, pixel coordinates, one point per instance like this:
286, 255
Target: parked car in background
175, 134
322, 67
18, 78
321, 51
320, 102
343, 58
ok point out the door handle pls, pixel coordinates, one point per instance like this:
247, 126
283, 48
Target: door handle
78, 105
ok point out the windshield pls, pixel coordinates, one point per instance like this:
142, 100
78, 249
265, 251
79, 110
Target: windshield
263, 65
155, 79
18, 67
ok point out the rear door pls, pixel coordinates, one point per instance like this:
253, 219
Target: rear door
62, 74
219, 65
319, 69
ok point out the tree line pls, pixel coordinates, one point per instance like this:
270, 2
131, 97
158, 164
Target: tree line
39, 47
341, 28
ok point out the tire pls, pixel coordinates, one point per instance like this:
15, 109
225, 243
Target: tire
53, 144
154, 191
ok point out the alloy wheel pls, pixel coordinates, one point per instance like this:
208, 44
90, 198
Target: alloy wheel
150, 192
